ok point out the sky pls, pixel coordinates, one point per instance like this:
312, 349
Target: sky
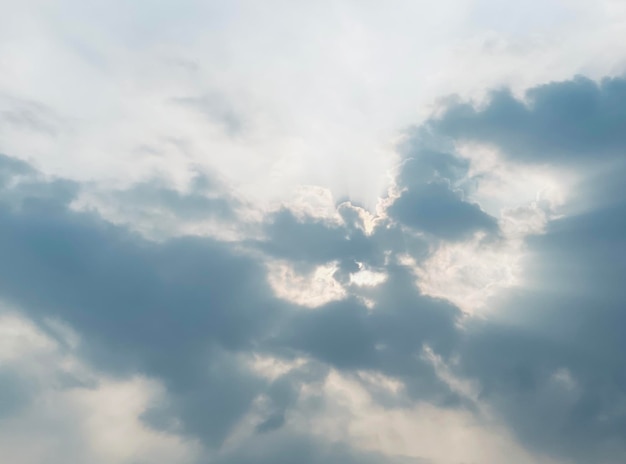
330, 232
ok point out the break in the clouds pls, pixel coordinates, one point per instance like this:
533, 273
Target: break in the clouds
233, 235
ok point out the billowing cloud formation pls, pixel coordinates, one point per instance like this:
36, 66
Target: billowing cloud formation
250, 376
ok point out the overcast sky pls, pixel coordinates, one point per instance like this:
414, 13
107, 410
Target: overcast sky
329, 232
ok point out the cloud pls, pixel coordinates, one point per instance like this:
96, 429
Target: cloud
548, 361
216, 111
311, 241
60, 409
195, 314
285, 449
246, 297
185, 310
431, 197
576, 121
438, 210
14, 393
139, 304
277, 72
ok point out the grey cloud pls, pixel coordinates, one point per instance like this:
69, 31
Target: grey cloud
348, 335
207, 397
423, 164
571, 324
338, 333
572, 121
311, 241
15, 392
183, 310
169, 310
12, 167
436, 209
159, 210
21, 184
387, 338
433, 185
551, 360
275, 421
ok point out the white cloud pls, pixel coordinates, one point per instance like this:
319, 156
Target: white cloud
320, 89
439, 434
311, 289
71, 413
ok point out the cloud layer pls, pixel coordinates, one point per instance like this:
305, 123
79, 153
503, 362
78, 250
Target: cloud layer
312, 232
246, 373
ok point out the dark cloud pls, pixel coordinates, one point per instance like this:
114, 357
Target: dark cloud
11, 168
432, 198
183, 310
275, 421
206, 398
186, 309
573, 121
438, 210
314, 241
15, 392
169, 310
